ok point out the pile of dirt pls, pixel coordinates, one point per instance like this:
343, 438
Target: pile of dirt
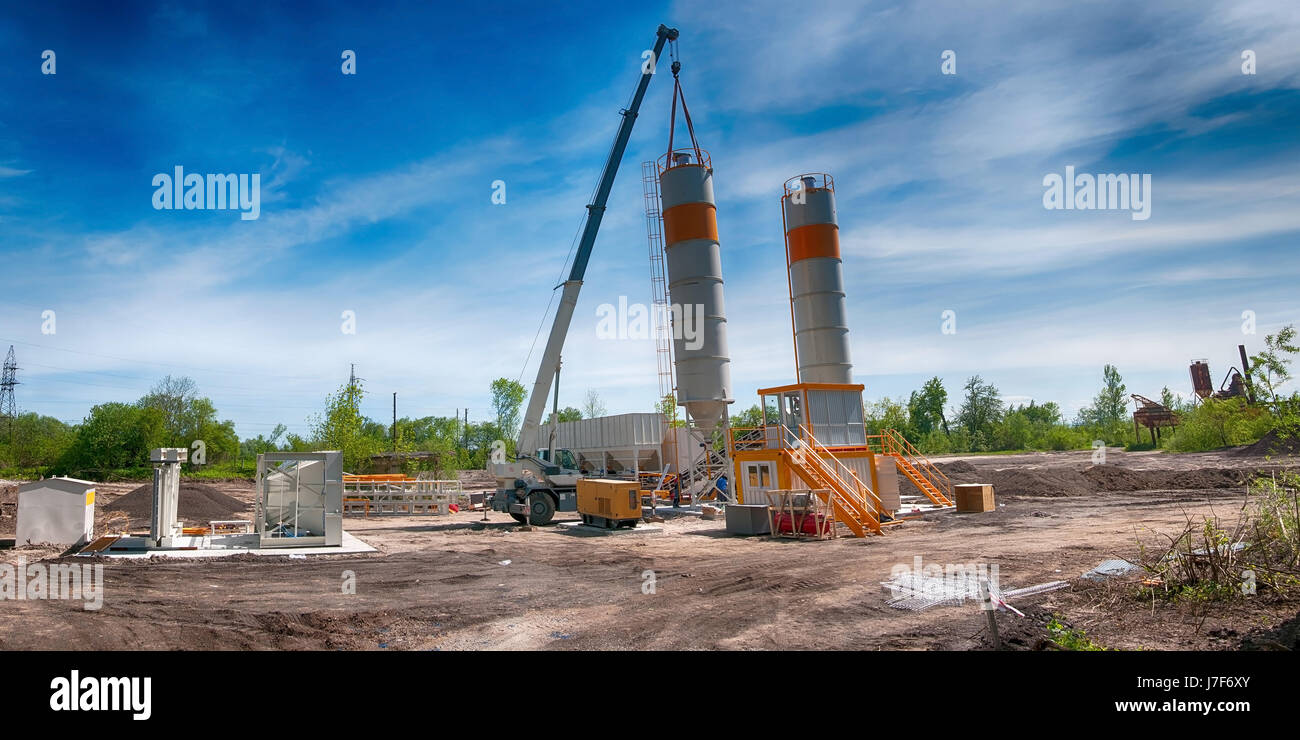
955, 468
1115, 478
1285, 636
1271, 445
1111, 478
1020, 633
1203, 478
1048, 482
198, 505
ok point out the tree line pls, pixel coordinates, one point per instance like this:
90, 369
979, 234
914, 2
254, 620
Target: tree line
114, 439
981, 421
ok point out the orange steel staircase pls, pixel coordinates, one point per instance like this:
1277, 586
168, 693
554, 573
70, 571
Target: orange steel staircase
852, 501
923, 474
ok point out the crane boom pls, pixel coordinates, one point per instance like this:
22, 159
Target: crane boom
526, 444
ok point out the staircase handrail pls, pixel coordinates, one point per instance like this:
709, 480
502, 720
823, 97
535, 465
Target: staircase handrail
900, 445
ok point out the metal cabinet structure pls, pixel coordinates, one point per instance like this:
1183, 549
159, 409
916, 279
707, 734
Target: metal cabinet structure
60, 511
300, 499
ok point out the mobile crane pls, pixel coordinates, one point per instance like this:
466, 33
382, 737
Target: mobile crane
537, 483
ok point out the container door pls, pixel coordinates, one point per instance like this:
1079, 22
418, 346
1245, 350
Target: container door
758, 478
792, 416
772, 426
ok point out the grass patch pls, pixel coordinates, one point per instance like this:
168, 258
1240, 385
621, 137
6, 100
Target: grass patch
1067, 638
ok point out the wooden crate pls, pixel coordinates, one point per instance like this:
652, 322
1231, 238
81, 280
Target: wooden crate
974, 496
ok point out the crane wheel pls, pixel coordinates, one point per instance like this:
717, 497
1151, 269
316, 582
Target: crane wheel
543, 509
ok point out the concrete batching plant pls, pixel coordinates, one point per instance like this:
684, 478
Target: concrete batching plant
813, 436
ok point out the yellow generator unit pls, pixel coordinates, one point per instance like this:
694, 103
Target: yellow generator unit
609, 503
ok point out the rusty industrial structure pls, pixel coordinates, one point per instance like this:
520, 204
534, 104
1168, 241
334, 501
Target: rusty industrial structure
1236, 384
1153, 416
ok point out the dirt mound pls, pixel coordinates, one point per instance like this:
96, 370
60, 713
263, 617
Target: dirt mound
1285, 636
1203, 478
1071, 481
198, 505
1271, 445
1115, 478
956, 467
1049, 482
1027, 633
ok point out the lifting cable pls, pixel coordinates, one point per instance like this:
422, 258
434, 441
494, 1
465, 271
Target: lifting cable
686, 113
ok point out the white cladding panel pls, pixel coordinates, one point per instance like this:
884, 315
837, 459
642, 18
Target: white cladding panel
605, 432
60, 511
836, 417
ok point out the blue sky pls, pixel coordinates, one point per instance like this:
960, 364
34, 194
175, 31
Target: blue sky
376, 192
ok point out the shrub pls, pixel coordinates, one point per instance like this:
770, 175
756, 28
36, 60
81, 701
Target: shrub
1219, 423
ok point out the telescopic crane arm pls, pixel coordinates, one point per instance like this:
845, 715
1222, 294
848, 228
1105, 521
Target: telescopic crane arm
526, 444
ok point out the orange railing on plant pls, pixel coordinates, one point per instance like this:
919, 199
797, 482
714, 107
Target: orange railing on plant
894, 443
748, 438
870, 499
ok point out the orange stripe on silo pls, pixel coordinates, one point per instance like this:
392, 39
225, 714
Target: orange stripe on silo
690, 221
814, 240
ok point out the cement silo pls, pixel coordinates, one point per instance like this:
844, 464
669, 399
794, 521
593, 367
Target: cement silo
812, 241
694, 264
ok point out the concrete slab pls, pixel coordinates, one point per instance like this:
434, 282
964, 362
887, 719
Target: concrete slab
224, 546
668, 511
912, 505
586, 530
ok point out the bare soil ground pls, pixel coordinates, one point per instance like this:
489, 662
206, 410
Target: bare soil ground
457, 582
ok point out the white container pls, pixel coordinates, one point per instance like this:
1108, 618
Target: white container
60, 511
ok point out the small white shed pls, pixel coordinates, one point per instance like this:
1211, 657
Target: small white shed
60, 511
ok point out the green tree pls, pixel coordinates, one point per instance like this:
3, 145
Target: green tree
1272, 367
36, 441
342, 427
1168, 399
1216, 423
1015, 431
980, 412
668, 407
1110, 407
507, 397
255, 446
188, 417
568, 413
888, 413
750, 418
925, 407
114, 439
174, 398
219, 439
592, 406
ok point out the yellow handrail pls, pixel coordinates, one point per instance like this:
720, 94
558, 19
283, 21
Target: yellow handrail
821, 449
892, 442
